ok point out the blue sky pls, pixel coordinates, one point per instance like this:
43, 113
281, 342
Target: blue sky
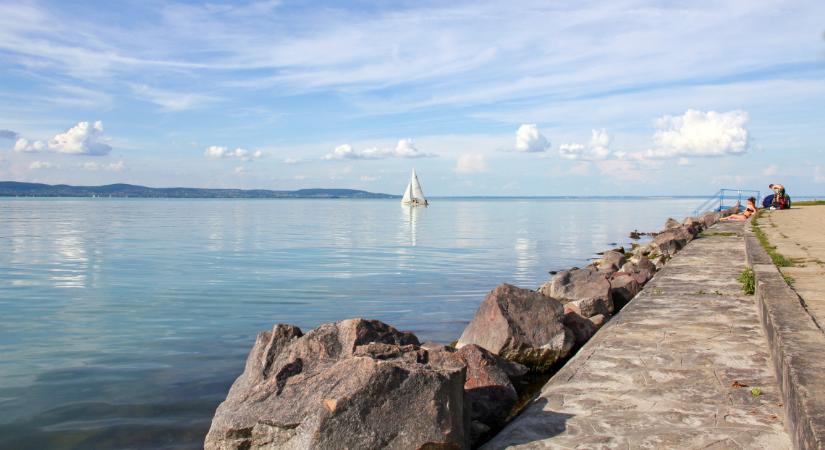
482, 98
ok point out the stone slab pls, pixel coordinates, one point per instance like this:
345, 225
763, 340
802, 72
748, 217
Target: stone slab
673, 369
797, 345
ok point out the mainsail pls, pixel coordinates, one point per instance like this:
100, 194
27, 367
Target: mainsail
414, 195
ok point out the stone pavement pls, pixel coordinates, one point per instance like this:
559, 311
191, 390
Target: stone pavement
674, 369
799, 235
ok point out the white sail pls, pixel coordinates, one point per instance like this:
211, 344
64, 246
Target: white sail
414, 195
407, 194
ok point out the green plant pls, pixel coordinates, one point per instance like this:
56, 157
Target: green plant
776, 257
788, 279
809, 203
756, 392
748, 281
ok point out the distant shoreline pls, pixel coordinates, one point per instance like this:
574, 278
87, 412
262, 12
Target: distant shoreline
19, 189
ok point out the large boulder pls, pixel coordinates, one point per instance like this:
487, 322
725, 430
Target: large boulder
668, 243
582, 328
709, 218
611, 261
623, 287
350, 384
521, 325
489, 387
641, 268
587, 289
672, 223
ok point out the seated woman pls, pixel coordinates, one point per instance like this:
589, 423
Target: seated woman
749, 211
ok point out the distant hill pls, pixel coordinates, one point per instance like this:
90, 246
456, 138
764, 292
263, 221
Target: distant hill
17, 189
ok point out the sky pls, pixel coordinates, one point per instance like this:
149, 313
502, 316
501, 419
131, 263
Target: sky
481, 98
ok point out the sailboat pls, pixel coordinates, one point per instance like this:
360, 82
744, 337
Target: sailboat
413, 195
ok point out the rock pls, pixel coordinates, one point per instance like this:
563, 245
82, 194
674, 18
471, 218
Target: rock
583, 329
489, 385
635, 235
694, 223
623, 287
350, 384
520, 325
669, 242
672, 223
641, 269
598, 320
589, 307
589, 290
612, 259
709, 218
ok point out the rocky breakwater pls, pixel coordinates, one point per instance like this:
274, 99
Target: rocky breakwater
363, 384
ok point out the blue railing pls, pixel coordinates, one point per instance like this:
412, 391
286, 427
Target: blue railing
726, 198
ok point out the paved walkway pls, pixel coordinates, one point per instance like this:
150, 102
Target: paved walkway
799, 235
673, 370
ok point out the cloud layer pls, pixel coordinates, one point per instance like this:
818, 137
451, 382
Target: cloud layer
404, 149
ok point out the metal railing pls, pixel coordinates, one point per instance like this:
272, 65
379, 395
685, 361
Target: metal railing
726, 198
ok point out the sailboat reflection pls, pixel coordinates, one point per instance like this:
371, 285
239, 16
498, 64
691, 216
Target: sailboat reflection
411, 217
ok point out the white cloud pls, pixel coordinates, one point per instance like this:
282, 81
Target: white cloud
599, 144
698, 133
35, 165
289, 160
82, 139
819, 174
239, 170
23, 145
471, 163
218, 152
683, 162
571, 151
598, 148
368, 178
771, 170
404, 149
530, 140
111, 167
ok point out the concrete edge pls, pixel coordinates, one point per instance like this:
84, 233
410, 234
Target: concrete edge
796, 345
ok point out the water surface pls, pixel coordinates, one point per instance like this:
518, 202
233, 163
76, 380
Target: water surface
123, 322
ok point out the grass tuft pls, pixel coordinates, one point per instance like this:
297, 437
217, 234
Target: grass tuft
776, 257
809, 203
748, 281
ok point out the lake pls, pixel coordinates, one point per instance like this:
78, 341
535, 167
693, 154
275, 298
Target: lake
123, 322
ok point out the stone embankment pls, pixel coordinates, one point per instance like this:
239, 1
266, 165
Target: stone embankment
364, 384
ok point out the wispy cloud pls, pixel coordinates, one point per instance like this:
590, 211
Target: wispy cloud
471, 163
170, 100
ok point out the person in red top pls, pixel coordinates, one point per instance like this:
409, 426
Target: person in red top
780, 199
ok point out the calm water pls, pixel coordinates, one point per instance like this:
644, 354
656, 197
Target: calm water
123, 322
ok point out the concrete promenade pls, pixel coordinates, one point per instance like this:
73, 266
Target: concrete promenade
799, 235
675, 369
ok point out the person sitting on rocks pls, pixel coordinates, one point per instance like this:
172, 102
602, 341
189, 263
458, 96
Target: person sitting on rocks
749, 211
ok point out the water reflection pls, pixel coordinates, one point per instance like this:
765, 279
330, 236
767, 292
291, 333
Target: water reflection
411, 217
